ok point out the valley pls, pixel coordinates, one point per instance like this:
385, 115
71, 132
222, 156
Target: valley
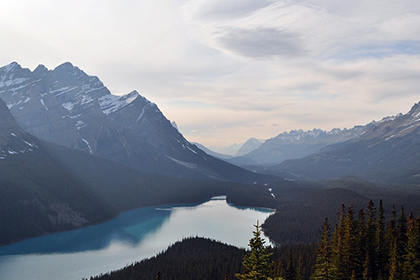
73, 156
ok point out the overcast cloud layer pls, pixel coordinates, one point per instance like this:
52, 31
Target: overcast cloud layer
226, 71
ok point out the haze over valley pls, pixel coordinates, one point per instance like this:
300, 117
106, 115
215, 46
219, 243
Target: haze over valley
196, 139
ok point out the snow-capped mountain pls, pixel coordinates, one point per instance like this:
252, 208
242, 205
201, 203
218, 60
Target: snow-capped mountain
68, 107
296, 144
386, 150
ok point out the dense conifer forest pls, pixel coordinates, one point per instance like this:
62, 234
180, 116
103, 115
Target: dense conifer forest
360, 245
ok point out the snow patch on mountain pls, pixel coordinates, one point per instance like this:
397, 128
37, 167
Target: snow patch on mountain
43, 104
111, 103
87, 144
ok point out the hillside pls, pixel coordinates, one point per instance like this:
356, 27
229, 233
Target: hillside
47, 188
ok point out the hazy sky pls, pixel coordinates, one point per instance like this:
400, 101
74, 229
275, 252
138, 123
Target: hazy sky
228, 70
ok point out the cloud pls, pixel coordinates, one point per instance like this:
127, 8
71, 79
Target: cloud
222, 9
239, 65
260, 42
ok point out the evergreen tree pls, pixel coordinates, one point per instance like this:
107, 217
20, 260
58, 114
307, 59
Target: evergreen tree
398, 251
324, 268
412, 260
300, 270
290, 269
256, 263
338, 247
350, 256
370, 267
361, 245
381, 246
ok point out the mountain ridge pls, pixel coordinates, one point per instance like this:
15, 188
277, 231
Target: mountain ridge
389, 150
68, 107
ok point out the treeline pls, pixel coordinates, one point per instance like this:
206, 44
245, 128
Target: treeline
365, 246
201, 258
302, 208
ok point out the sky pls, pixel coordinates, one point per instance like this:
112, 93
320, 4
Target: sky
226, 71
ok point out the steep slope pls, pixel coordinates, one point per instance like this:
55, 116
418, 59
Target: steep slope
46, 188
210, 152
388, 150
249, 146
68, 107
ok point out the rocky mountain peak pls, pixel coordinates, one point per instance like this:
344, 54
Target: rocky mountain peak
415, 111
66, 106
40, 71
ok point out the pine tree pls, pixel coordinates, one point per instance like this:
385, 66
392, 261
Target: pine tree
350, 244
412, 260
361, 245
324, 268
300, 270
338, 246
256, 263
370, 268
381, 246
290, 273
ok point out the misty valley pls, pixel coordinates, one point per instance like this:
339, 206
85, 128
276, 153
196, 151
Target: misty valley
91, 182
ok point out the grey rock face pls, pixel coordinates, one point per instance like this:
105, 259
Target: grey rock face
13, 140
68, 107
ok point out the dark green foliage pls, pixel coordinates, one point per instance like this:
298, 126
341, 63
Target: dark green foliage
324, 267
256, 263
193, 258
199, 258
388, 254
302, 206
412, 259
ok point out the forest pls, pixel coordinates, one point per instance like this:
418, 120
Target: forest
359, 245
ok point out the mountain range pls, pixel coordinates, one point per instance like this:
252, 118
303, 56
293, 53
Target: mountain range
388, 150
293, 145
73, 154
68, 107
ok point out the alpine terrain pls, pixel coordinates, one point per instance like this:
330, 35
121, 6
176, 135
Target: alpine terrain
294, 144
388, 150
68, 107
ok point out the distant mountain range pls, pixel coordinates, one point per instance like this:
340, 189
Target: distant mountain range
292, 145
68, 107
388, 150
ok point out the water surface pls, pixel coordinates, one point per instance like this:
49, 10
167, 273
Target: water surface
132, 236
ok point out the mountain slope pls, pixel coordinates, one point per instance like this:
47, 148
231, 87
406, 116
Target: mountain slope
388, 150
46, 188
68, 107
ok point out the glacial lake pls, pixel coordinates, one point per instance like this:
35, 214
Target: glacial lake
130, 237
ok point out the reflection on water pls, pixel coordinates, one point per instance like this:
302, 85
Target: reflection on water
96, 237
130, 237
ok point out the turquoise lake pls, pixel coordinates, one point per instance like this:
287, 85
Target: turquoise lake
130, 237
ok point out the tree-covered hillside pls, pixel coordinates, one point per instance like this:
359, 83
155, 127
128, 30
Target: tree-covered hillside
360, 245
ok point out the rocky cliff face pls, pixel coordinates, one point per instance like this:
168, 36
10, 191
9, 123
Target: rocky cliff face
13, 140
68, 107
